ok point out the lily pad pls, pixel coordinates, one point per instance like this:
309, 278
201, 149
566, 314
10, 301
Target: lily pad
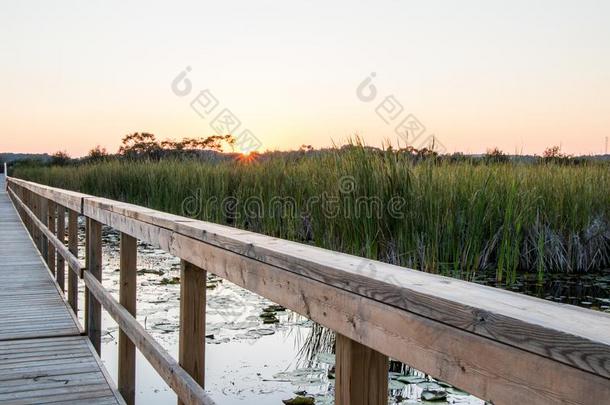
396, 385
300, 401
434, 395
411, 379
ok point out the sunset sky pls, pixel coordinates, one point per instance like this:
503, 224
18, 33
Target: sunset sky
519, 75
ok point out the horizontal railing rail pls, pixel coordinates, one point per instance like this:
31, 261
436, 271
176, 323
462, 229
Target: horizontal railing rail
498, 345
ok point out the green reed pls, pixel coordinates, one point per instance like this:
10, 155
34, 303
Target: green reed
453, 218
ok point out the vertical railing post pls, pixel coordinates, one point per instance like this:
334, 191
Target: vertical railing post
127, 298
94, 267
51, 217
61, 235
73, 247
43, 216
87, 238
30, 205
35, 206
192, 320
361, 374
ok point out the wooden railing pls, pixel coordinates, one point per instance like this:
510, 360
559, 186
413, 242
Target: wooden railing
501, 346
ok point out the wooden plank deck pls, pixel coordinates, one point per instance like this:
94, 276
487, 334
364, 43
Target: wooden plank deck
43, 356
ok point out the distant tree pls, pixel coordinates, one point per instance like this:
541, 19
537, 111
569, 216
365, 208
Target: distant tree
140, 144
98, 153
426, 153
60, 158
554, 154
495, 155
214, 142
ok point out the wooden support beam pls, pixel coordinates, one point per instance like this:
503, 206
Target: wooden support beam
35, 206
94, 267
43, 216
127, 298
86, 305
192, 320
361, 374
51, 224
73, 247
60, 268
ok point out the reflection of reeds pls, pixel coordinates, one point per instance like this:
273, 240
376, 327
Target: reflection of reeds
458, 218
319, 340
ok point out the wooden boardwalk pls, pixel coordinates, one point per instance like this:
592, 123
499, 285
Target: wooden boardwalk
43, 356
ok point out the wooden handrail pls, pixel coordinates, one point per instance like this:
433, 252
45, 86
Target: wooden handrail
501, 346
73, 263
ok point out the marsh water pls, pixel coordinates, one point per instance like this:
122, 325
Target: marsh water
258, 352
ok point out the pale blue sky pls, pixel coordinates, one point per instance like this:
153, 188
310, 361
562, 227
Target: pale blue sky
521, 75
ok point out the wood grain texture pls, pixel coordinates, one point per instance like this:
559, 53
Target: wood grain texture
73, 248
53, 370
361, 374
94, 268
52, 226
43, 208
127, 298
60, 267
191, 350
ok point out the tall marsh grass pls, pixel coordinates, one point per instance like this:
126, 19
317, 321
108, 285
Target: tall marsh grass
450, 218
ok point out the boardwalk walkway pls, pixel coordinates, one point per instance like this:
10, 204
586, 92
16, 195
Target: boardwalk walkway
43, 356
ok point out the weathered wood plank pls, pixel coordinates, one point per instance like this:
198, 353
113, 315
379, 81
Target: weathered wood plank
60, 268
94, 267
51, 370
51, 225
361, 374
191, 350
127, 298
73, 248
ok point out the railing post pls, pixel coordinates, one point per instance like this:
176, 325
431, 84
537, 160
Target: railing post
73, 247
50, 213
192, 320
61, 235
35, 207
87, 237
94, 266
42, 215
361, 374
127, 298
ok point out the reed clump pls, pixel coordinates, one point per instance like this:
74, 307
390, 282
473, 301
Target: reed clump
437, 215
